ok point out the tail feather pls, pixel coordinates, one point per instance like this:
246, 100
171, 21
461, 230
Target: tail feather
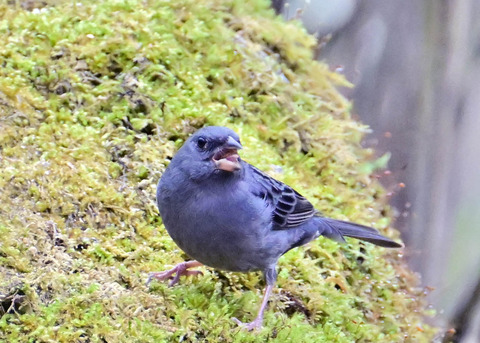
337, 229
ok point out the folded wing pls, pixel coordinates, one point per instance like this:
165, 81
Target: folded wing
290, 209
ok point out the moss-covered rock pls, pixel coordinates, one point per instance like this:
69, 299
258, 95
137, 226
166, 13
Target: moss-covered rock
95, 97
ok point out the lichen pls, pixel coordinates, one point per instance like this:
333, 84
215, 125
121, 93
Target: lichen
95, 98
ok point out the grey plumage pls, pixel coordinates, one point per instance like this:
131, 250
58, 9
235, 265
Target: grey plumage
229, 215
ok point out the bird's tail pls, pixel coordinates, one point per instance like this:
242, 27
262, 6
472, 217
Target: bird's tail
337, 229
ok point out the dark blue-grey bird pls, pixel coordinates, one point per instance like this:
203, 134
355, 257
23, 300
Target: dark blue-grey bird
227, 214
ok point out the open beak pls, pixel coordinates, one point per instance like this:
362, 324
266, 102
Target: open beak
226, 158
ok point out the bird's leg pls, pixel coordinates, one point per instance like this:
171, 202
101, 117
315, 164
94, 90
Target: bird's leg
271, 277
257, 322
179, 270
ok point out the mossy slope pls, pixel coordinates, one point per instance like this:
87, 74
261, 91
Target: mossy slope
95, 97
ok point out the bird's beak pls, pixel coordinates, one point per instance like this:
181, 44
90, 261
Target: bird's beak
232, 144
226, 158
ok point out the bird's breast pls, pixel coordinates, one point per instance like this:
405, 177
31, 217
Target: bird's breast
220, 227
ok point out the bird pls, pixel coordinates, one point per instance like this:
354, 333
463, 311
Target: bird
227, 214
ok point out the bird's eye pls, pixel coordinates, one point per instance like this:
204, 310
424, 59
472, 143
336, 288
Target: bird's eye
202, 143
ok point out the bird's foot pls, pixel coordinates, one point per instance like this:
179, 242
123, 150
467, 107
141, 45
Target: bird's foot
179, 270
255, 325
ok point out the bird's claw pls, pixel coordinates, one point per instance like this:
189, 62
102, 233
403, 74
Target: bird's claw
256, 324
179, 270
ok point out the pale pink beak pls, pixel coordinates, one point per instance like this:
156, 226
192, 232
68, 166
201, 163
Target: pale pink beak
227, 157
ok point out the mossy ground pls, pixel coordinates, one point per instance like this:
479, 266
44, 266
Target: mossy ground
95, 97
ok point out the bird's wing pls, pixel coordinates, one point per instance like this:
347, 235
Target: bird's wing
290, 209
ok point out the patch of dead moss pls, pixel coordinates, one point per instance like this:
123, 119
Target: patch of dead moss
95, 97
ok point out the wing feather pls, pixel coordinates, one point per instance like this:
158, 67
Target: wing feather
290, 208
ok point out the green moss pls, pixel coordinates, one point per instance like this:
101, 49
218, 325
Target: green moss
95, 97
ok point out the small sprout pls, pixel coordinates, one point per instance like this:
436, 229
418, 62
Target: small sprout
143, 172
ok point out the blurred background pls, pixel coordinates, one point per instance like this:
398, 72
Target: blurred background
416, 70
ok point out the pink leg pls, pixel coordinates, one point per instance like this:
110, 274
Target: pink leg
257, 322
179, 270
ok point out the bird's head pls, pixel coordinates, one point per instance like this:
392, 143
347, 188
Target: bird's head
212, 149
